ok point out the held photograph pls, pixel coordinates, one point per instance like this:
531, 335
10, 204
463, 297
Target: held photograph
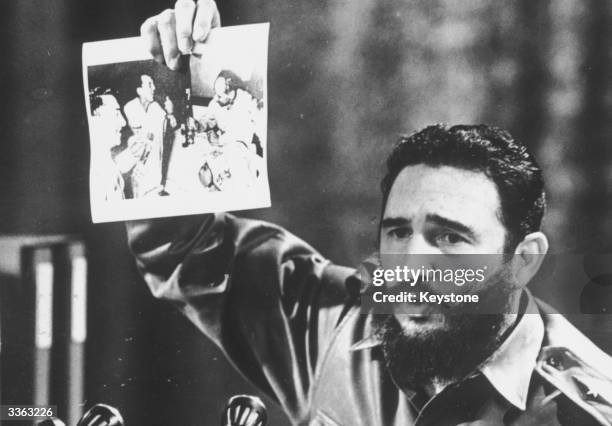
177, 142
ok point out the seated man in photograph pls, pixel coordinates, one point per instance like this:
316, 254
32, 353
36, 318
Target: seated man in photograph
229, 122
232, 109
149, 120
291, 321
110, 162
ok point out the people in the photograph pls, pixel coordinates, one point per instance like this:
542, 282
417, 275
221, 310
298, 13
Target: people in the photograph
110, 162
230, 123
147, 118
290, 320
233, 110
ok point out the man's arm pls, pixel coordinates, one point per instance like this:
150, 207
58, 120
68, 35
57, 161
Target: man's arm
265, 297
126, 157
268, 299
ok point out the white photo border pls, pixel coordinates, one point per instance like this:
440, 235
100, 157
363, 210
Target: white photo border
133, 49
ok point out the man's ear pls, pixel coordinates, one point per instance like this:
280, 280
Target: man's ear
529, 255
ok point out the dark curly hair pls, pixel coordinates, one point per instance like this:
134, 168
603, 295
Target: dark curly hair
232, 80
95, 97
485, 149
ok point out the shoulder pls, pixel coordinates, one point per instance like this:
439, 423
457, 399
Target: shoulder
575, 366
132, 109
157, 108
130, 105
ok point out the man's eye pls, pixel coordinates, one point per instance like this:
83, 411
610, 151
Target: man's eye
399, 232
451, 238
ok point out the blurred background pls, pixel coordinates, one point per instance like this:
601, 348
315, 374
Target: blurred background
346, 78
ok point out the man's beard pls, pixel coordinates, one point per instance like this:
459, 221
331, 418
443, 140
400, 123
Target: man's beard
419, 354
446, 354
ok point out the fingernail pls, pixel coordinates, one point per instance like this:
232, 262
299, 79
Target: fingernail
198, 34
174, 63
185, 45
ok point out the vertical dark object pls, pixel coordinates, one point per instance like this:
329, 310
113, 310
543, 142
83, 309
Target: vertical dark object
69, 333
8, 165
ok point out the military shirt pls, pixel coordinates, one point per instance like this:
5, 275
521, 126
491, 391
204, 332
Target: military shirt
289, 320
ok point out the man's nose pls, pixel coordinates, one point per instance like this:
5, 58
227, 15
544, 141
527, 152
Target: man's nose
418, 253
415, 254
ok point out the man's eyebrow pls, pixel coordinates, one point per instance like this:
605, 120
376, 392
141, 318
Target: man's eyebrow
452, 224
390, 222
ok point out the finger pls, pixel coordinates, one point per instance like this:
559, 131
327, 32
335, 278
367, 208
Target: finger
216, 21
184, 12
166, 26
148, 32
207, 17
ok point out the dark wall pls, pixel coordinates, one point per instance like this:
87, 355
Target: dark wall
345, 79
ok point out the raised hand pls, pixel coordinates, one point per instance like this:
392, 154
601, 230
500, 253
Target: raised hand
174, 31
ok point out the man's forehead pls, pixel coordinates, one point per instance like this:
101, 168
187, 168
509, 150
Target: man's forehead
457, 194
110, 101
221, 83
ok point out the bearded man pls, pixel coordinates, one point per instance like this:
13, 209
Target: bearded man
292, 323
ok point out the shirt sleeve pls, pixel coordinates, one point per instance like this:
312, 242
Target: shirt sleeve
264, 296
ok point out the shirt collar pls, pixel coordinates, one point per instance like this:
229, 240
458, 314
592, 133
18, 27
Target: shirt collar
372, 338
507, 369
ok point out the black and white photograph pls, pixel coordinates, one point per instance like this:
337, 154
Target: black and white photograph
177, 142
340, 213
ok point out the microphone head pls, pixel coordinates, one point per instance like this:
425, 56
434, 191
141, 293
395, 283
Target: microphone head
245, 410
101, 415
51, 421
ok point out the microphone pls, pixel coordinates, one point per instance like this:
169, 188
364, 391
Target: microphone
51, 421
244, 410
101, 415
